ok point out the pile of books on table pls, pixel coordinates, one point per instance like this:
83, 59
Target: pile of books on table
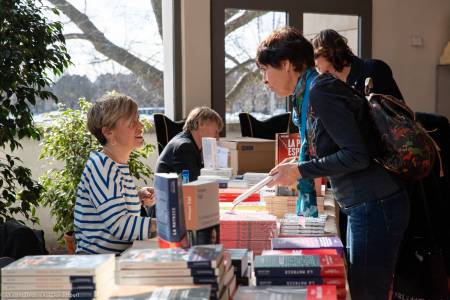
241, 260
292, 224
206, 264
249, 230
133, 292
303, 261
301, 270
59, 276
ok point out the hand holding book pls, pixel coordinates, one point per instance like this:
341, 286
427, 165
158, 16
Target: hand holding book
285, 173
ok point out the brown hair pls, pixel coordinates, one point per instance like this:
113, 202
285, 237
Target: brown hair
285, 43
333, 47
107, 110
201, 114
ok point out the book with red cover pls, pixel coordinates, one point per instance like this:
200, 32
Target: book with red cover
239, 225
286, 145
300, 252
312, 292
229, 194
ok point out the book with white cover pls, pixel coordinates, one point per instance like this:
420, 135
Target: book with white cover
53, 265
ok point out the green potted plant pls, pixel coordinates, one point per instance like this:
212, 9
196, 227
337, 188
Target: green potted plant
32, 48
68, 141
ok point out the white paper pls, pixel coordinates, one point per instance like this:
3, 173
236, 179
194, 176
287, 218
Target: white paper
209, 149
222, 157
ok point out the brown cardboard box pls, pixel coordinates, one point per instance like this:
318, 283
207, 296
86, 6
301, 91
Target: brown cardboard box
250, 154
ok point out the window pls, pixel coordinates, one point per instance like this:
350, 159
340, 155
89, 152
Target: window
234, 47
243, 88
114, 45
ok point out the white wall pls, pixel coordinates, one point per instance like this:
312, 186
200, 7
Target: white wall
394, 23
196, 54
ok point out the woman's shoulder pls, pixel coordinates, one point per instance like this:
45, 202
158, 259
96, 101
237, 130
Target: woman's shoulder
327, 84
377, 67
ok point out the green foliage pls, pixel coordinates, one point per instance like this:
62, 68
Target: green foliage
31, 49
67, 140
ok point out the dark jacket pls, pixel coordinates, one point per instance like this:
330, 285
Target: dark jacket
181, 153
340, 144
379, 71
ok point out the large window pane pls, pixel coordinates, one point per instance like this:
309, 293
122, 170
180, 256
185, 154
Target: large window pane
117, 47
346, 25
245, 29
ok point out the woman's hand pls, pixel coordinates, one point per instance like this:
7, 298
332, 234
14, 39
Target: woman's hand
147, 196
285, 173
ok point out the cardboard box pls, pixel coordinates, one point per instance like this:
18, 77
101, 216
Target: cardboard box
250, 154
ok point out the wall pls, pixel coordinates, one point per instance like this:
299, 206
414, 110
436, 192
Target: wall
196, 54
394, 23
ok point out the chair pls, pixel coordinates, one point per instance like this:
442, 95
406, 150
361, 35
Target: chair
266, 129
166, 129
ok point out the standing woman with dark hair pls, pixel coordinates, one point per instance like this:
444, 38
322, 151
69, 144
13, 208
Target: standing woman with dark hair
332, 55
336, 142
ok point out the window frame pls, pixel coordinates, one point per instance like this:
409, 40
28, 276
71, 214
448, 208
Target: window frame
294, 11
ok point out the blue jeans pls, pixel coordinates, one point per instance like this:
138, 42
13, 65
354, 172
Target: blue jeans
374, 232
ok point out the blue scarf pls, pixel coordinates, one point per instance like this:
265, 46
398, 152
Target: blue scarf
306, 202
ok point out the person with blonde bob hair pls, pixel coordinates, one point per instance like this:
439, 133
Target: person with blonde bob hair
183, 152
108, 205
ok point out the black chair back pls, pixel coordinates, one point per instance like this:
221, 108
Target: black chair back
266, 129
165, 129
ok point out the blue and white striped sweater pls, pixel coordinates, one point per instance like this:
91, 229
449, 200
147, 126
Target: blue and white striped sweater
107, 208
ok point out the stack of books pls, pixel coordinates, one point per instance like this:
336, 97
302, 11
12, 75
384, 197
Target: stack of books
204, 264
253, 178
308, 242
59, 276
318, 292
301, 270
128, 292
240, 261
292, 225
281, 205
250, 230
201, 212
229, 194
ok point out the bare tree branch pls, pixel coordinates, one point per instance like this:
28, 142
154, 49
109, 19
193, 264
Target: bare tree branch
242, 20
157, 10
232, 58
241, 66
75, 36
240, 84
150, 76
229, 13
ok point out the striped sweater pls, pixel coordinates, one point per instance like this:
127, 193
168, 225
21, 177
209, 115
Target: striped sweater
107, 208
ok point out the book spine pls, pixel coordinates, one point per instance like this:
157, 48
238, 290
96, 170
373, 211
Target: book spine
190, 207
288, 272
338, 282
201, 264
170, 212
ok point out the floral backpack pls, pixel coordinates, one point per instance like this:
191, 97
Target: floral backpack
405, 147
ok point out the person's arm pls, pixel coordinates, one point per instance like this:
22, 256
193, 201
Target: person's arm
185, 157
111, 203
340, 124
